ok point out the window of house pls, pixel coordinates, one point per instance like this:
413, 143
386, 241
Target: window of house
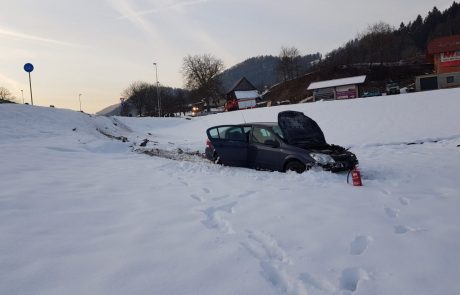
450, 79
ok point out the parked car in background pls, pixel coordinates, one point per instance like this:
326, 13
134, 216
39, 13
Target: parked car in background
372, 93
293, 143
393, 88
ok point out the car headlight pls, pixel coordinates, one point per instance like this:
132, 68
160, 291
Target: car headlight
322, 159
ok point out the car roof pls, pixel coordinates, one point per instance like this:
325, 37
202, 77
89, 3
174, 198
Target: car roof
270, 124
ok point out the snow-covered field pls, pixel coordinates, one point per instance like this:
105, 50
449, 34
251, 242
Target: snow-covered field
81, 213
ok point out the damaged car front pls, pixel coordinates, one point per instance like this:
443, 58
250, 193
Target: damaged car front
303, 132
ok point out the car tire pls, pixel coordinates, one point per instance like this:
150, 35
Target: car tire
216, 158
295, 165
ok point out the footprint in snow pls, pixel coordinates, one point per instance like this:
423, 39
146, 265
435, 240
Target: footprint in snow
402, 229
214, 219
385, 192
220, 198
182, 181
205, 190
392, 212
404, 201
197, 198
360, 244
274, 263
246, 194
351, 278
318, 283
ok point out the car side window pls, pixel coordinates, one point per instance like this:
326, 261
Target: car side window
236, 134
262, 135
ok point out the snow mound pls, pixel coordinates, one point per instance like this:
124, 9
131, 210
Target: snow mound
80, 213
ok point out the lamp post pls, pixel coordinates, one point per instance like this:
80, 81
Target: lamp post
79, 100
22, 94
158, 89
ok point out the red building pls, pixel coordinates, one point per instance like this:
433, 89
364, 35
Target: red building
445, 54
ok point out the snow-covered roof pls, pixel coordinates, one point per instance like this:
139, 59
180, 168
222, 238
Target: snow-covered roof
246, 94
337, 82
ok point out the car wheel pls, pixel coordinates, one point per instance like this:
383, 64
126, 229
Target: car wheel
294, 165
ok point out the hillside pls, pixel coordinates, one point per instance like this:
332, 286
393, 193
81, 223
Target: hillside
82, 213
262, 71
112, 110
382, 43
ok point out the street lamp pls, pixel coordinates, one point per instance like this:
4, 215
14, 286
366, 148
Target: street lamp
158, 89
22, 94
79, 100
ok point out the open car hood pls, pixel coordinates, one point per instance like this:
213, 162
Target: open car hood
300, 130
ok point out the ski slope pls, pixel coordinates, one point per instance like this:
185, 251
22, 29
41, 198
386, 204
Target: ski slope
83, 213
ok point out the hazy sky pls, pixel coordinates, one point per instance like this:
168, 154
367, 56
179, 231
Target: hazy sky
98, 47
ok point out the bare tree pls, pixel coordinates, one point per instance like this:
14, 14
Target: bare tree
289, 66
136, 93
200, 74
378, 40
6, 96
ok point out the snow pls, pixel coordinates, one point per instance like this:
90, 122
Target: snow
81, 213
337, 82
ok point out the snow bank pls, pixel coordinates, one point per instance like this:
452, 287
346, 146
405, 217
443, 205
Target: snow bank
82, 214
377, 120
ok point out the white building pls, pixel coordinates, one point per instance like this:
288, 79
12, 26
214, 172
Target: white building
345, 88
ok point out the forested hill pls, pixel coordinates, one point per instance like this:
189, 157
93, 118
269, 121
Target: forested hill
383, 43
262, 70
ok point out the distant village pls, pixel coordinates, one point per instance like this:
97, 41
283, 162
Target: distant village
439, 69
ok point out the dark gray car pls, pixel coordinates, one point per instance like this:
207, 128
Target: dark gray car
295, 143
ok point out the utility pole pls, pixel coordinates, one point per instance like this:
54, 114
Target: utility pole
158, 89
79, 100
22, 94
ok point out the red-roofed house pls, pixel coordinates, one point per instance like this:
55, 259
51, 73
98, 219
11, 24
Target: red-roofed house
444, 52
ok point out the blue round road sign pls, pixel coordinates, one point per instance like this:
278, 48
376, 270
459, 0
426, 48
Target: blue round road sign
28, 67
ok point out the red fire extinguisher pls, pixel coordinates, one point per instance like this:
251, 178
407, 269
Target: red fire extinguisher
356, 177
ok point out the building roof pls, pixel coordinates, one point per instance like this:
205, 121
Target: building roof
444, 44
246, 94
337, 82
242, 84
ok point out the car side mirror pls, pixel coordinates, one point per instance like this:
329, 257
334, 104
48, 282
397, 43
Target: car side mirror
272, 143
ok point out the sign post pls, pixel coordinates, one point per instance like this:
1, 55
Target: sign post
28, 67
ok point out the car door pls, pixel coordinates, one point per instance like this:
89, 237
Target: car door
265, 150
230, 143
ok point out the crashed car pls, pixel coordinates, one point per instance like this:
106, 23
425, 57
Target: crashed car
294, 143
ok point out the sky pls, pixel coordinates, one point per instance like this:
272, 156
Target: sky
96, 48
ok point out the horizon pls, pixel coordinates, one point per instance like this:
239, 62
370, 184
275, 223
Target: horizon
98, 48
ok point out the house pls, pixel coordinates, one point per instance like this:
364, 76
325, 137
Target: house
345, 88
243, 95
444, 53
